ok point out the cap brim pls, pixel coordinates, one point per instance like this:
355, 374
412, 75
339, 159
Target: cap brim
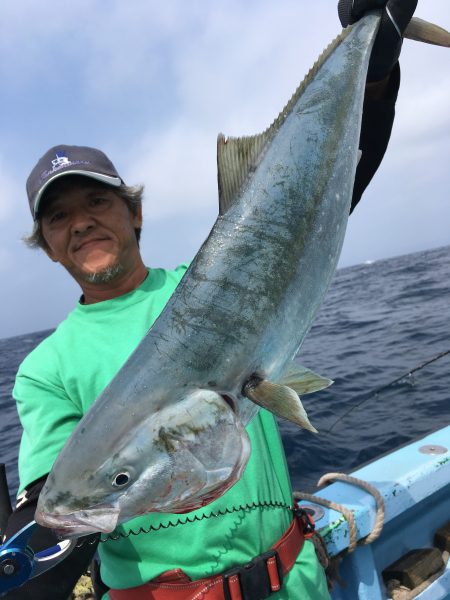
108, 179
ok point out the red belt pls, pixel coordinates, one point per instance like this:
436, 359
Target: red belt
254, 581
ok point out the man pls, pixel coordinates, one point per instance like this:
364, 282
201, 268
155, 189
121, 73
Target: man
89, 221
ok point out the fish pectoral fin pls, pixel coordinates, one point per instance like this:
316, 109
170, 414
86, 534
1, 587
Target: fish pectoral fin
303, 380
280, 400
236, 159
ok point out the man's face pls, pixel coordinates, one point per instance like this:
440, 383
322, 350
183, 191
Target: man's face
90, 231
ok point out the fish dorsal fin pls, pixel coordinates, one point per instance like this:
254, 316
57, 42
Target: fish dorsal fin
303, 380
281, 400
238, 157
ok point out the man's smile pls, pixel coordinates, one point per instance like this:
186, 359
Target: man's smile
90, 243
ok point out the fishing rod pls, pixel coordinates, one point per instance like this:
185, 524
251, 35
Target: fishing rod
5, 501
368, 396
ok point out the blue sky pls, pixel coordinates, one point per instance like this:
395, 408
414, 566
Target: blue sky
153, 83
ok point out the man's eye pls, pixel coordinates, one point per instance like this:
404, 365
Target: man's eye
56, 217
98, 202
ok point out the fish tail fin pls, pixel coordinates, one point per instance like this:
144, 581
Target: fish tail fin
423, 31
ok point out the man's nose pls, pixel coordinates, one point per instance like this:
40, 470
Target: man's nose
81, 221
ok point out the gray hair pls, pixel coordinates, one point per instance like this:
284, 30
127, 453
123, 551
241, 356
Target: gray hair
131, 195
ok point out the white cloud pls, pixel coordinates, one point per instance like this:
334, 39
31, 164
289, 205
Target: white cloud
8, 191
232, 76
178, 169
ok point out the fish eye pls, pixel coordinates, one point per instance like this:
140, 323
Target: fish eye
121, 479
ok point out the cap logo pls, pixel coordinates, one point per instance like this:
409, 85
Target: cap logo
60, 162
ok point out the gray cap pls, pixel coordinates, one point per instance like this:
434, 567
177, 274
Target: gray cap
68, 160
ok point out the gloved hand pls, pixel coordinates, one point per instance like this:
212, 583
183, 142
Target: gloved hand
388, 43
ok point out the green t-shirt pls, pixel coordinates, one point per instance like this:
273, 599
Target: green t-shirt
55, 386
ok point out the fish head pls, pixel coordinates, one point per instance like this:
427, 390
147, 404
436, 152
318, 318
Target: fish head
181, 457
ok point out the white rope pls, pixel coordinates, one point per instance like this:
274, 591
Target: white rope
395, 589
348, 515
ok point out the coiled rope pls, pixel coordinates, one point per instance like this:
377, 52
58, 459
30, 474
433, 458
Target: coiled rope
348, 515
331, 565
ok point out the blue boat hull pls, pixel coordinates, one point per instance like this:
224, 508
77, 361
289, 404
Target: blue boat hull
414, 482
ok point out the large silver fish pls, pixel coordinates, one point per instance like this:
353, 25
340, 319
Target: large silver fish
168, 433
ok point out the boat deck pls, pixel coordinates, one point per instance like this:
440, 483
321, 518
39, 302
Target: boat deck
414, 482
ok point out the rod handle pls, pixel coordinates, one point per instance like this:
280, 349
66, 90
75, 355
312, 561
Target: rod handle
5, 501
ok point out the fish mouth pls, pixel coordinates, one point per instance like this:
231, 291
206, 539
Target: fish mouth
80, 523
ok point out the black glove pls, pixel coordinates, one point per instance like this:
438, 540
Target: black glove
388, 43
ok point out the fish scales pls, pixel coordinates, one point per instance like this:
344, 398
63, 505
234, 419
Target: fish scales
257, 270
173, 417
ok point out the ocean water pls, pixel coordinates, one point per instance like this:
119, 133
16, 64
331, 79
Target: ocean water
379, 322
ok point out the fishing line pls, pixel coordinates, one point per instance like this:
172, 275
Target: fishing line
185, 520
376, 391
